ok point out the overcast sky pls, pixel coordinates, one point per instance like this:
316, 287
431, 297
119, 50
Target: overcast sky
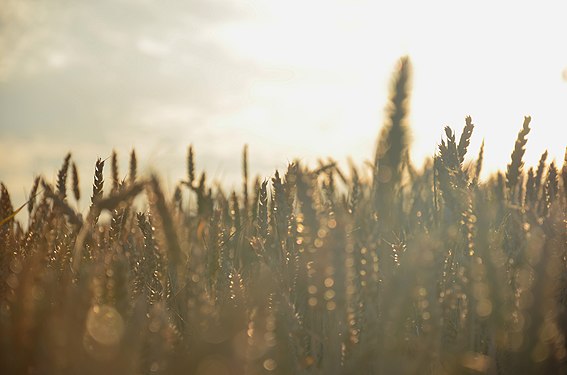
294, 78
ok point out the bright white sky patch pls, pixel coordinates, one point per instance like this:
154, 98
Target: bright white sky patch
291, 78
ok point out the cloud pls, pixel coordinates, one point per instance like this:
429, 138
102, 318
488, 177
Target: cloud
118, 72
92, 66
89, 76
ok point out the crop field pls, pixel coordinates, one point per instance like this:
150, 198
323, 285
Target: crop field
378, 268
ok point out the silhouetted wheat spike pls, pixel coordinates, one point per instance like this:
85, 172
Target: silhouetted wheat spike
255, 198
98, 184
133, 167
306, 195
355, 192
551, 187
515, 167
75, 177
235, 211
117, 221
33, 194
7, 243
449, 152
479, 161
263, 210
393, 141
190, 165
204, 199
531, 192
289, 185
280, 208
150, 273
521, 190
464, 141
245, 178
114, 170
539, 174
278, 194
6, 208
452, 180
552, 182
62, 177
178, 198
500, 191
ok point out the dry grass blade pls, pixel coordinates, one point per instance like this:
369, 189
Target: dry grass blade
120, 196
14, 213
171, 238
340, 173
323, 168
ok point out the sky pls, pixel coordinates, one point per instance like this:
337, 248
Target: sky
292, 79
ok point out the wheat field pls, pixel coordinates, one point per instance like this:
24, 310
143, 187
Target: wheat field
379, 268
